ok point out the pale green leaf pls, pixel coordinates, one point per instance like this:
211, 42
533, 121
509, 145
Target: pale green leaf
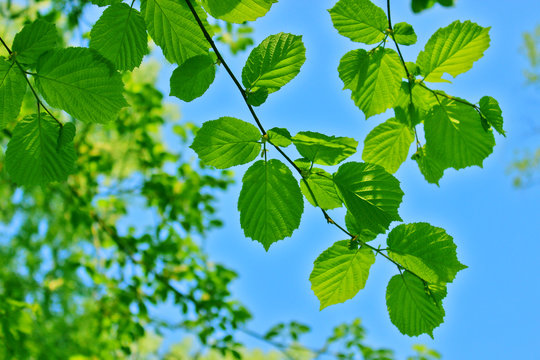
414, 308
453, 50
404, 34
280, 136
173, 28
425, 250
227, 142
370, 194
492, 111
270, 202
374, 78
322, 149
359, 20
388, 145
274, 62
120, 36
82, 83
12, 89
429, 166
191, 79
455, 136
339, 273
238, 11
322, 185
33, 40
35, 155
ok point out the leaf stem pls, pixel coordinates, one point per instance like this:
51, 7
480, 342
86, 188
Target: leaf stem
395, 42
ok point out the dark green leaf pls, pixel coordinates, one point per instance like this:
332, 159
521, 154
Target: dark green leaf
12, 89
191, 79
33, 40
492, 111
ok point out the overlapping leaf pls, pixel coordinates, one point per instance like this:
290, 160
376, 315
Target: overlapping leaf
404, 34
355, 227
227, 142
191, 79
429, 166
359, 20
339, 273
33, 40
414, 308
370, 194
492, 111
322, 149
120, 36
322, 185
12, 89
453, 50
238, 11
279, 136
38, 153
270, 202
81, 82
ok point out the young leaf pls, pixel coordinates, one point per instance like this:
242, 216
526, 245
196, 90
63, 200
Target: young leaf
339, 273
374, 78
359, 20
227, 142
370, 194
429, 166
33, 40
191, 79
12, 89
404, 34
414, 308
120, 36
324, 189
237, 11
270, 202
453, 50
492, 111
388, 145
455, 136
173, 28
426, 250
322, 149
82, 83
279, 136
274, 62
35, 155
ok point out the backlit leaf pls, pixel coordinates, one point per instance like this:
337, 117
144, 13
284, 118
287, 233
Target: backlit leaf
238, 11
429, 166
322, 185
279, 136
12, 89
492, 111
323, 149
33, 40
404, 34
191, 79
359, 20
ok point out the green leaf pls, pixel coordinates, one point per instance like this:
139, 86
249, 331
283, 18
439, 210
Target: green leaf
455, 136
355, 227
67, 134
238, 11
404, 34
425, 250
274, 62
279, 136
388, 145
173, 28
322, 149
270, 202
370, 194
339, 273
492, 111
414, 308
359, 20
227, 142
101, 3
453, 50
324, 189
420, 5
33, 40
257, 97
82, 83
191, 79
413, 103
120, 36
374, 78
35, 155
429, 166
12, 89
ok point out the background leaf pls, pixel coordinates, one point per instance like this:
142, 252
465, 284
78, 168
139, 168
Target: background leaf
238, 11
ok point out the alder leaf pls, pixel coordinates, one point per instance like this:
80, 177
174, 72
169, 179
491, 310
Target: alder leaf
35, 155
227, 142
120, 36
374, 78
404, 34
191, 79
414, 308
323, 149
425, 250
359, 20
453, 50
492, 111
274, 62
82, 83
280, 136
322, 185
33, 40
339, 273
270, 202
370, 194
388, 145
12, 90
173, 28
355, 227
429, 166
238, 11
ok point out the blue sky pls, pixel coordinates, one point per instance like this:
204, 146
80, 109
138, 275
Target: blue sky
492, 307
